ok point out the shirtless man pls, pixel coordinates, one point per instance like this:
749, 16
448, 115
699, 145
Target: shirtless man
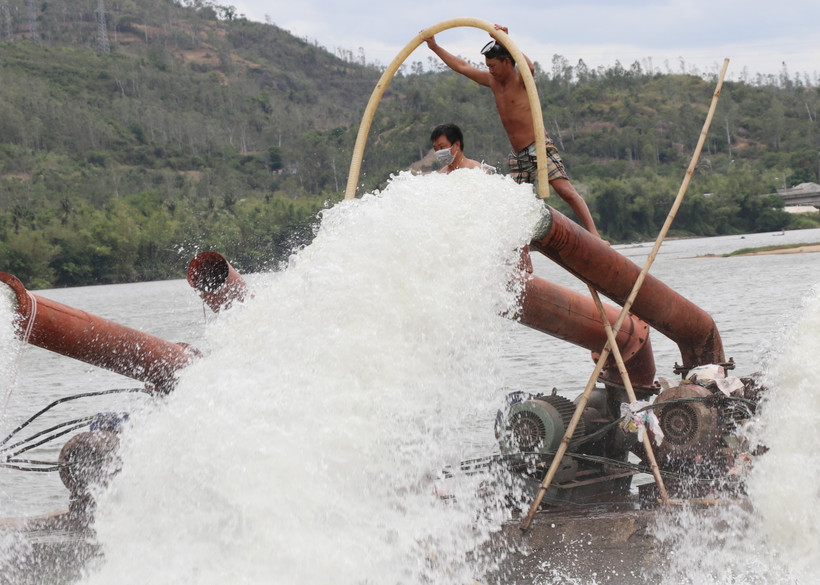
448, 142
511, 99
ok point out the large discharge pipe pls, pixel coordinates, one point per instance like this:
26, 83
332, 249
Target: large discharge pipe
596, 263
94, 340
573, 317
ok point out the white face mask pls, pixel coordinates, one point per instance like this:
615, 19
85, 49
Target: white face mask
444, 156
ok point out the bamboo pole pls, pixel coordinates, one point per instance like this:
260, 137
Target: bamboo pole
390, 72
627, 304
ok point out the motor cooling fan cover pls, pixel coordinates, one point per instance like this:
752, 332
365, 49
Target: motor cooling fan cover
536, 425
690, 428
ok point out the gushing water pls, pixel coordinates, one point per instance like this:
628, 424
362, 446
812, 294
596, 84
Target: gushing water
303, 448
771, 539
9, 349
785, 484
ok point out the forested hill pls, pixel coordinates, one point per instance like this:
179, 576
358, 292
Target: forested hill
135, 133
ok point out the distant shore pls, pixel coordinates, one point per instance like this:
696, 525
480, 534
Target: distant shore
786, 249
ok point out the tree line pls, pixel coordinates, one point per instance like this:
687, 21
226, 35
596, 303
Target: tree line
201, 130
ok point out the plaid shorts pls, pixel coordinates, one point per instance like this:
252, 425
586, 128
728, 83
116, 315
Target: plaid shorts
523, 164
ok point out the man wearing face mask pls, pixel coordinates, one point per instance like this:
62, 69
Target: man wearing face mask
448, 142
507, 85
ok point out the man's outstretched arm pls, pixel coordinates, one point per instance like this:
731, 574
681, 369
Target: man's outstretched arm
458, 64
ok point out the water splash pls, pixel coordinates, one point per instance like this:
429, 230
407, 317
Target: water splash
302, 449
9, 349
785, 484
11, 546
772, 538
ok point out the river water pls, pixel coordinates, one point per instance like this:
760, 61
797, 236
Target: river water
301, 448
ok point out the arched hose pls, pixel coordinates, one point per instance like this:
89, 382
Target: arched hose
529, 83
542, 175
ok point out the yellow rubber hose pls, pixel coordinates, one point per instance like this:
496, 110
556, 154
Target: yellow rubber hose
387, 77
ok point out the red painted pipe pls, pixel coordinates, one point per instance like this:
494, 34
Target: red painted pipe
216, 281
97, 341
573, 317
596, 263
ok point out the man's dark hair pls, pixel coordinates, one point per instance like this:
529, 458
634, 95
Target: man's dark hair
450, 131
495, 50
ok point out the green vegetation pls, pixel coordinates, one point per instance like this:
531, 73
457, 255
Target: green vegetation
744, 251
198, 129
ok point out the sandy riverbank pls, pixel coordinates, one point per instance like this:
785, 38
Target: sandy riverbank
795, 250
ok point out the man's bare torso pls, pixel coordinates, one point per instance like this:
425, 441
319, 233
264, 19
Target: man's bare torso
514, 109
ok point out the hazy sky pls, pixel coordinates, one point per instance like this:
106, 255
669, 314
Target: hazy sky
754, 35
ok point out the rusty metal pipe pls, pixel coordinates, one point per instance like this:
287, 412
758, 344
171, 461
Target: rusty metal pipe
596, 263
96, 341
573, 317
216, 281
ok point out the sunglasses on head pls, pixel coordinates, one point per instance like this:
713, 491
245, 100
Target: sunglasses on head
493, 49
489, 47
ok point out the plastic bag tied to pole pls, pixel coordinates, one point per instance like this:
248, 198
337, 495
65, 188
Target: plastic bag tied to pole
636, 420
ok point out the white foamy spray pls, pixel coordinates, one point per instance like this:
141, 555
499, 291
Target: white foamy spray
771, 539
10, 545
785, 483
9, 347
302, 449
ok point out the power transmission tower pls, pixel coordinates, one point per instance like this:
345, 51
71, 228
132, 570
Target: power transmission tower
102, 32
32, 21
8, 35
